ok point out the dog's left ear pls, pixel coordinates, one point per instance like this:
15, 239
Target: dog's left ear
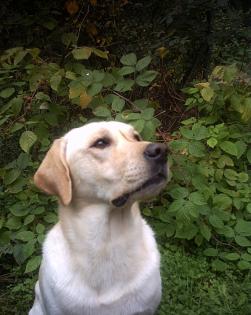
53, 175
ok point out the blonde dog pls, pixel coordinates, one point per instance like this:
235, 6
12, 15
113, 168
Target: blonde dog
101, 258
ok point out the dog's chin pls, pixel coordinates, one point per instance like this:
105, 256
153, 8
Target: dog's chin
149, 189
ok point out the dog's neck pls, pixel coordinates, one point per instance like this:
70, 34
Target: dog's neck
93, 227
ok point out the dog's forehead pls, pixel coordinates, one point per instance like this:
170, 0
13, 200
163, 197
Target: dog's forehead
77, 138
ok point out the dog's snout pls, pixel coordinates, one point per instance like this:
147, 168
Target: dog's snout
156, 152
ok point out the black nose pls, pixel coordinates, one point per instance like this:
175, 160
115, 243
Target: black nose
156, 152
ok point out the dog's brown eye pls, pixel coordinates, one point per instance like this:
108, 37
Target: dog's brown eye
137, 137
101, 143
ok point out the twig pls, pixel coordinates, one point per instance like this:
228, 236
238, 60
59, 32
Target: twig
225, 244
124, 98
81, 24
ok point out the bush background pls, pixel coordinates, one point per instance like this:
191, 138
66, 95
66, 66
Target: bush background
179, 71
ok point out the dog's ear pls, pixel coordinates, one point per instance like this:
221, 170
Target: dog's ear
53, 175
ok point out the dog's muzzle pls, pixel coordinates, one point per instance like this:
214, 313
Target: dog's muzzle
155, 154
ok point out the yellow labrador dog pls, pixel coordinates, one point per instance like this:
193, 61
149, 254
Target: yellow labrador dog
101, 257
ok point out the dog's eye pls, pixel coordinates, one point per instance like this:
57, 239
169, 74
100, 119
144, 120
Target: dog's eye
101, 143
137, 137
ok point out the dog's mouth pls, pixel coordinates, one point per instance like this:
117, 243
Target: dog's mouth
155, 180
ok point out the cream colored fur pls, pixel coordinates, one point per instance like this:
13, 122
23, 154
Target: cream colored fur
98, 259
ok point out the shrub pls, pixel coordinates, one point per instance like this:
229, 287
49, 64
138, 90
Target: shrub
41, 100
209, 197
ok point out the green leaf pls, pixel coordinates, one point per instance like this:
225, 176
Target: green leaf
178, 145
249, 208
38, 210
30, 218
138, 125
33, 264
11, 175
129, 59
219, 265
178, 192
25, 236
143, 63
147, 113
51, 218
215, 221
55, 81
189, 121
42, 96
207, 93
23, 251
20, 56
246, 257
169, 230
191, 209
94, 89
124, 85
197, 198
249, 155
187, 231
70, 75
211, 252
232, 256
82, 53
205, 231
243, 177
76, 88
244, 265
98, 76
100, 53
142, 103
243, 227
200, 132
19, 210
196, 148
148, 132
13, 223
176, 205
16, 105
230, 174
102, 111
40, 228
230, 73
7, 92
242, 241
229, 147
126, 70
27, 140
211, 142
222, 201
187, 133
241, 148
23, 161
109, 80
118, 103
146, 77
227, 231
227, 160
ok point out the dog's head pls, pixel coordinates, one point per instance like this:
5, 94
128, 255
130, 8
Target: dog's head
103, 162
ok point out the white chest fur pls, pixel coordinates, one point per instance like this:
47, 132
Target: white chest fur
100, 265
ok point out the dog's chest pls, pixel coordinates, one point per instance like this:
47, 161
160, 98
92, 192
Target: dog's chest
114, 277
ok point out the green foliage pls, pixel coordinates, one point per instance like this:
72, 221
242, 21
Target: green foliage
39, 100
191, 287
209, 195
226, 96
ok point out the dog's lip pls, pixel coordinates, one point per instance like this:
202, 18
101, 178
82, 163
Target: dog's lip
154, 180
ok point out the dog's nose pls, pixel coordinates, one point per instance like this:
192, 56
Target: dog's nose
156, 152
